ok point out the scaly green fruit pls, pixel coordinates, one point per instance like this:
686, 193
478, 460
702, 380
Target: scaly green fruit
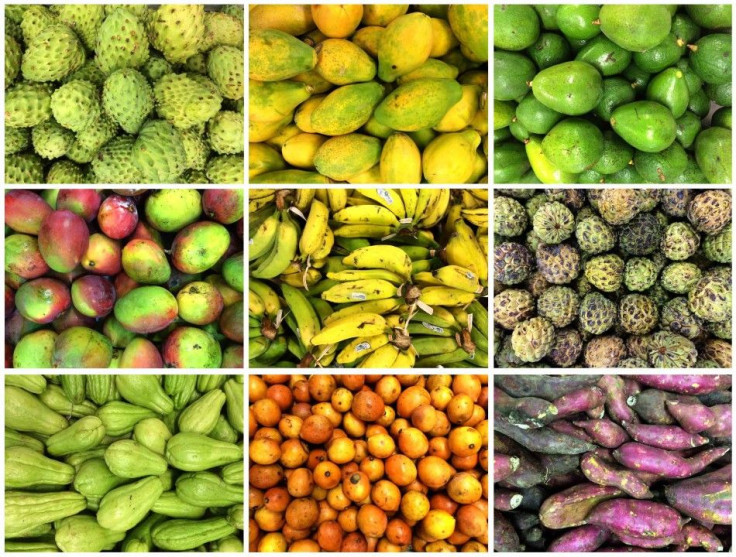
225, 68
221, 28
66, 172
196, 148
13, 56
127, 98
50, 140
16, 140
35, 19
177, 30
114, 162
225, 133
76, 105
184, 102
23, 168
84, 19
156, 67
27, 105
121, 42
158, 153
226, 169
52, 55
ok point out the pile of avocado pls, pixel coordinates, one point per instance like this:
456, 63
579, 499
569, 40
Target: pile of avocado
615, 94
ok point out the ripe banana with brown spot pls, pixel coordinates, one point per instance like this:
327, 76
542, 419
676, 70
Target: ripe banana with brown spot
351, 326
381, 257
360, 291
314, 229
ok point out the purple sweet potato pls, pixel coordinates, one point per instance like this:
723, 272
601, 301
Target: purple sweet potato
696, 535
650, 406
504, 466
505, 537
582, 539
543, 440
706, 500
631, 386
667, 464
618, 410
570, 507
604, 432
580, 400
686, 384
668, 437
529, 473
563, 426
548, 387
524, 412
597, 413
563, 481
647, 542
506, 500
556, 464
602, 472
523, 520
632, 517
693, 417
722, 427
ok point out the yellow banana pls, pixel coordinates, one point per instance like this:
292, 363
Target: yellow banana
366, 214
425, 196
304, 198
409, 197
462, 249
314, 229
328, 240
434, 213
282, 252
382, 358
360, 274
444, 314
361, 346
445, 296
264, 237
351, 326
453, 213
480, 193
310, 277
425, 277
388, 198
461, 316
322, 196
381, 257
380, 307
458, 277
471, 202
268, 296
360, 291
405, 359
306, 317
255, 204
258, 193
483, 243
394, 321
478, 217
319, 263
359, 200
362, 231
338, 198
293, 268
256, 308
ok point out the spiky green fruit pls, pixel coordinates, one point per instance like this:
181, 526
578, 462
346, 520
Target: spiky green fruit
65, 172
222, 29
13, 55
114, 162
196, 148
16, 140
76, 104
225, 66
158, 152
84, 19
225, 133
156, 67
27, 105
177, 30
185, 102
127, 98
226, 169
121, 42
52, 54
23, 168
91, 138
88, 72
35, 19
51, 140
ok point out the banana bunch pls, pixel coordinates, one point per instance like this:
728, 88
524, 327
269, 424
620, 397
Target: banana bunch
371, 278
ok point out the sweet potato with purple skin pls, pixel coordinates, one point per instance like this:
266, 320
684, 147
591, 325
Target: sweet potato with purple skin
582, 539
693, 417
556, 464
570, 507
667, 464
646, 542
504, 466
580, 400
506, 500
723, 425
602, 472
564, 481
706, 500
543, 440
604, 432
543, 386
686, 384
631, 386
632, 517
563, 426
596, 413
525, 412
529, 473
696, 535
650, 405
618, 410
505, 537
668, 437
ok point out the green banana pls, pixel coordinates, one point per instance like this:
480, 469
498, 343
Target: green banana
306, 318
429, 346
262, 239
257, 346
457, 355
480, 316
283, 251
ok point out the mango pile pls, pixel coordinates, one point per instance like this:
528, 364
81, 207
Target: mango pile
620, 94
368, 94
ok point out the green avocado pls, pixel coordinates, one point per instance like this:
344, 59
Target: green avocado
670, 89
518, 131
591, 177
515, 26
605, 55
578, 21
713, 153
627, 175
571, 88
688, 127
548, 14
545, 169
509, 162
711, 58
616, 154
664, 55
692, 173
662, 167
645, 125
699, 103
512, 74
536, 117
694, 83
635, 27
616, 91
684, 28
722, 118
573, 145
503, 113
711, 16
720, 94
549, 49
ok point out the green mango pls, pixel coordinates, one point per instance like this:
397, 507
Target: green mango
635, 27
637, 77
515, 26
685, 29
670, 89
543, 168
345, 156
616, 91
591, 177
503, 113
607, 57
548, 15
571, 88
578, 21
645, 125
711, 16
713, 153
274, 101
616, 154
692, 80
518, 131
536, 117
719, 94
419, 104
692, 173
688, 127
550, 49
573, 145
699, 103
722, 118
710, 58
662, 167
512, 74
661, 56
509, 162
346, 108
275, 55
627, 175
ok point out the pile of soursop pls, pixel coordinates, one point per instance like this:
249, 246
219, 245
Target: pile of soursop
124, 93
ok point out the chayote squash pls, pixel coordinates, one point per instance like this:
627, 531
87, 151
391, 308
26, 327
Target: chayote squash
15, 439
180, 388
32, 383
25, 412
130, 459
207, 382
193, 452
201, 415
74, 389
94, 479
125, 506
99, 388
170, 504
146, 391
234, 393
55, 398
83, 534
25, 512
26, 468
77, 459
33, 546
180, 534
153, 434
139, 538
86, 433
208, 490
233, 473
223, 431
235, 516
230, 544
120, 418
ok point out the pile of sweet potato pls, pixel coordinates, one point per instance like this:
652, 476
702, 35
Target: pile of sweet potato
611, 463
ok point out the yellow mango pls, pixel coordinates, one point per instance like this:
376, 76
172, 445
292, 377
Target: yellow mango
461, 114
443, 39
475, 77
469, 22
337, 20
290, 177
404, 46
346, 108
299, 151
382, 14
271, 101
303, 117
293, 19
275, 55
370, 176
401, 161
480, 120
318, 83
423, 137
450, 157
342, 62
434, 10
263, 158
262, 131
431, 68
480, 168
345, 156
421, 103
455, 58
285, 133
368, 39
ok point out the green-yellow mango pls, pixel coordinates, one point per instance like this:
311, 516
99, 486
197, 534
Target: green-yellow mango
284, 134
345, 156
262, 131
346, 108
263, 158
273, 101
303, 116
370, 176
290, 177
372, 127
461, 114
401, 161
337, 20
382, 14
292, 19
469, 22
299, 151
421, 103
275, 55
450, 157
443, 39
342, 62
423, 137
368, 39
431, 68
404, 46
318, 83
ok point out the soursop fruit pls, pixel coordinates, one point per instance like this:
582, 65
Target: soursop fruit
84, 19
127, 98
185, 102
225, 66
121, 42
222, 29
27, 105
114, 162
225, 133
65, 172
16, 140
76, 105
196, 149
51, 140
13, 56
23, 168
35, 19
177, 30
158, 152
226, 169
52, 54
